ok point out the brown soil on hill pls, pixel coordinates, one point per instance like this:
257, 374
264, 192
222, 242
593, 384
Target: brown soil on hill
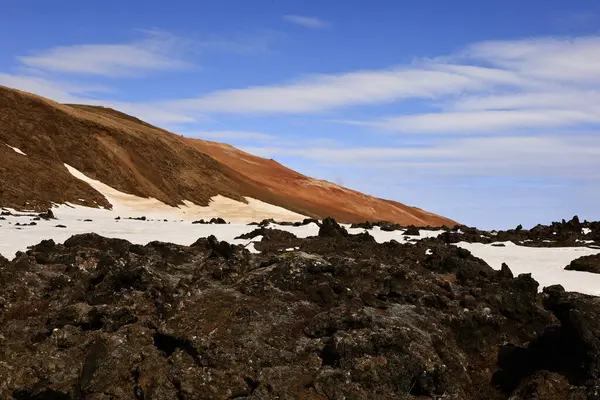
138, 158
314, 197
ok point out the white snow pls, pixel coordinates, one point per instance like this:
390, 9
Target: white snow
546, 264
16, 150
13, 238
303, 231
585, 231
125, 204
383, 236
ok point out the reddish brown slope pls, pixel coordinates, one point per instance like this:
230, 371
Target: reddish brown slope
138, 158
112, 147
282, 186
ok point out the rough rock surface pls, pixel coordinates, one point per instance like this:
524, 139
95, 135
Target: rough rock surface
586, 264
570, 233
339, 317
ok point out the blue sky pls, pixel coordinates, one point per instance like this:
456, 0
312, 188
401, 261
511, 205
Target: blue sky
483, 111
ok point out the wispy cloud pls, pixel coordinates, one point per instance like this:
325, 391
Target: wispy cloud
526, 156
478, 122
307, 22
325, 92
157, 51
231, 135
488, 87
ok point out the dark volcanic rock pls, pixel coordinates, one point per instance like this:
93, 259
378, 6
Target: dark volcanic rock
558, 234
330, 228
341, 317
412, 231
586, 264
47, 215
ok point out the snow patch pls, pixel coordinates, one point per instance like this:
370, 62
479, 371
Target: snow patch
585, 231
125, 204
16, 150
546, 264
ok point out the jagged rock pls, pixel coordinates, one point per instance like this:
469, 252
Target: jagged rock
586, 264
330, 228
412, 231
47, 215
505, 271
363, 225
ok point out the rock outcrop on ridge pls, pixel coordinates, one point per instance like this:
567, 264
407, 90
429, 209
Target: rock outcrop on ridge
337, 316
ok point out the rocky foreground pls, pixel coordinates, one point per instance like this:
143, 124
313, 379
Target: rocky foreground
336, 316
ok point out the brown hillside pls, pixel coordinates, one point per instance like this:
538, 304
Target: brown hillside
138, 158
312, 196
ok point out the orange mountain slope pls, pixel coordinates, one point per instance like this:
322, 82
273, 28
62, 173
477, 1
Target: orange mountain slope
137, 158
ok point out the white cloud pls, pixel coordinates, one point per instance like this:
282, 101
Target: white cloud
564, 60
307, 22
230, 135
324, 92
157, 52
476, 122
488, 87
540, 156
566, 99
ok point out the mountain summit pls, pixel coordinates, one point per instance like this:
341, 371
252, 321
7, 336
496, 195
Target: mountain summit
55, 153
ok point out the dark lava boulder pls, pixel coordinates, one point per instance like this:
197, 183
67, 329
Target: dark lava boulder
330, 228
363, 225
586, 264
48, 215
412, 231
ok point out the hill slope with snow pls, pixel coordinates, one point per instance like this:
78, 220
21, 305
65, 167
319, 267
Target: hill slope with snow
38, 137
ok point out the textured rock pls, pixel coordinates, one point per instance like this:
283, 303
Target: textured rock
586, 263
341, 317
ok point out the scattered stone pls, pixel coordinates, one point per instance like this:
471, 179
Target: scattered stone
142, 218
